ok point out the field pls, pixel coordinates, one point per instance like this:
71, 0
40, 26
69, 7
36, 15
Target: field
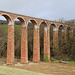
15, 71
5, 27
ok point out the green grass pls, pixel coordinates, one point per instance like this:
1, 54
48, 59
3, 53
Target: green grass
71, 62
55, 60
4, 27
15, 71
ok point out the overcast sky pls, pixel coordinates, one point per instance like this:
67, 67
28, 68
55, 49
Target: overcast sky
45, 9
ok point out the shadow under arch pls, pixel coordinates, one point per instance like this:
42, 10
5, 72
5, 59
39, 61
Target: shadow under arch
61, 32
30, 28
19, 23
61, 40
43, 27
61, 27
8, 18
52, 29
22, 21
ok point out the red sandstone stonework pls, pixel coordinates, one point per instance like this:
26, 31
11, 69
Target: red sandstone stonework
24, 46
46, 44
10, 45
55, 39
36, 45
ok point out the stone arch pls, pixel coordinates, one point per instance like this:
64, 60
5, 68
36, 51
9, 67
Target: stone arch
44, 23
43, 32
31, 26
61, 38
61, 31
54, 26
10, 41
61, 27
19, 31
34, 22
21, 19
8, 18
53, 39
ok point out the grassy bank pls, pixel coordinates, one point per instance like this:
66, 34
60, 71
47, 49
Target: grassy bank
15, 71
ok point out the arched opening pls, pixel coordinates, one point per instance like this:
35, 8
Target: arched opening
61, 32
19, 23
4, 22
30, 29
53, 28
43, 28
61, 35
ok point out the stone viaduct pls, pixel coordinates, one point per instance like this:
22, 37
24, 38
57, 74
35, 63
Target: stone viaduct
10, 17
